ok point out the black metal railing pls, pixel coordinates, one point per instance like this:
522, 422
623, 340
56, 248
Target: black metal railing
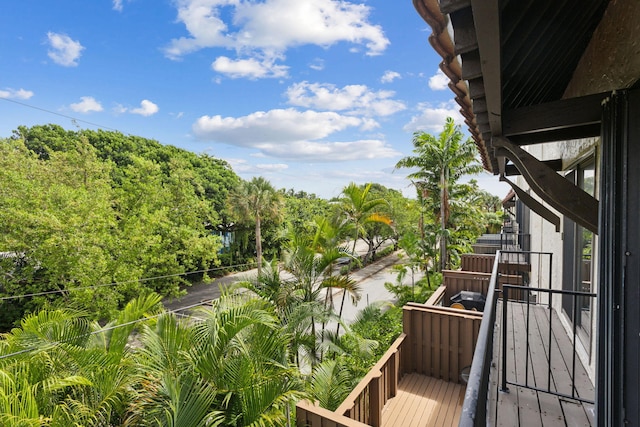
515, 242
576, 296
474, 407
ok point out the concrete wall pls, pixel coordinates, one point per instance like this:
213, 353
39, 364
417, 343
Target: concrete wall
612, 60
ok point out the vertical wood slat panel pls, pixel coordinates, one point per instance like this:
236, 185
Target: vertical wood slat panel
477, 262
454, 349
376, 402
407, 356
436, 340
417, 323
445, 350
448, 337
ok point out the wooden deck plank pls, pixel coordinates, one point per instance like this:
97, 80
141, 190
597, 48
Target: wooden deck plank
398, 407
422, 401
550, 408
414, 397
417, 399
447, 402
575, 414
429, 404
584, 386
439, 400
528, 407
457, 397
507, 406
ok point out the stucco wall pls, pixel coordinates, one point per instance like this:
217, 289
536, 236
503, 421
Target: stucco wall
612, 60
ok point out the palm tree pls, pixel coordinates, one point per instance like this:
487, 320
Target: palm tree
439, 163
256, 200
227, 365
59, 368
359, 209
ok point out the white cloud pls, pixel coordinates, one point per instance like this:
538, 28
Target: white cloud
432, 119
10, 93
249, 68
242, 166
120, 109
117, 5
439, 81
272, 167
317, 64
291, 134
390, 76
273, 26
312, 151
274, 125
147, 108
355, 99
87, 104
64, 51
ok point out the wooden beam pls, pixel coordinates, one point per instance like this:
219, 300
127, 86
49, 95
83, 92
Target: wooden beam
471, 68
448, 6
533, 204
512, 170
553, 116
561, 194
486, 18
465, 39
566, 134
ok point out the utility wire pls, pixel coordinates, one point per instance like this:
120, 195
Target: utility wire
59, 291
73, 119
108, 328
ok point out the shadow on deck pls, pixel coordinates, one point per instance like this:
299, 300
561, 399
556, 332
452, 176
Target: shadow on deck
424, 401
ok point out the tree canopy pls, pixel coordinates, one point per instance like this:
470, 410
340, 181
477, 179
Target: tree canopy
91, 218
438, 163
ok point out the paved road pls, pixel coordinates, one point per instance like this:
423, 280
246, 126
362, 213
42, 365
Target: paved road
372, 288
209, 291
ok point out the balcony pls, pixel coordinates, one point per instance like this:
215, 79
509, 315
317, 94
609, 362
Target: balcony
519, 360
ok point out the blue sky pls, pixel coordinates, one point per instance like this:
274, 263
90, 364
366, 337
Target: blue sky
310, 94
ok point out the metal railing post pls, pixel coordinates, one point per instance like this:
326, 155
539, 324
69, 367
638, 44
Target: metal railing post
505, 298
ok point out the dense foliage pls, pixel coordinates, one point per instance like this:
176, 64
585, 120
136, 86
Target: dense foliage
90, 208
438, 164
98, 225
227, 366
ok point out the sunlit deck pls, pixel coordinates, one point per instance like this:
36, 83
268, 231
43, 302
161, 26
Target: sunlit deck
424, 401
526, 407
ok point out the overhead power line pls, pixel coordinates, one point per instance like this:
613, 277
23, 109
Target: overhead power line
105, 329
81, 288
73, 119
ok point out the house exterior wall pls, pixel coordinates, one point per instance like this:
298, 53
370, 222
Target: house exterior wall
610, 62
544, 237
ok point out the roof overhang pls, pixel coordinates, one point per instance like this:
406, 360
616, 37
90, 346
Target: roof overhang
509, 63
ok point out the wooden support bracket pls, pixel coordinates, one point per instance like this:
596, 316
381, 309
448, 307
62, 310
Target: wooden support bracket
563, 195
533, 204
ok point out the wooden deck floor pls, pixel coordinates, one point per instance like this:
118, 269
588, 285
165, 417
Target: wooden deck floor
525, 407
424, 401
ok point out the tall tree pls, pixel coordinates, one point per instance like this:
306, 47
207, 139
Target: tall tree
360, 209
256, 200
439, 162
